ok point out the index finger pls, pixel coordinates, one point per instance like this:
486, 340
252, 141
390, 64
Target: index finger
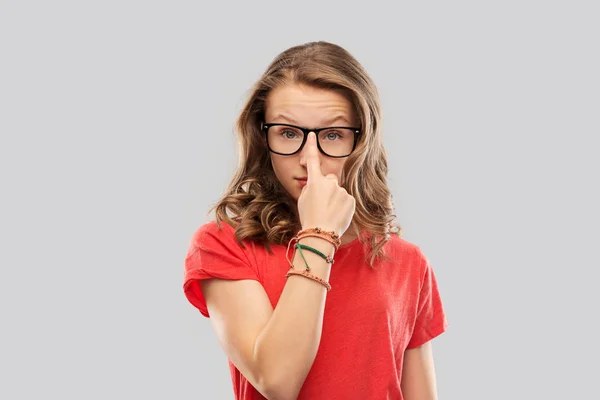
313, 165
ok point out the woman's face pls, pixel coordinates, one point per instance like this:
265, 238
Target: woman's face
308, 107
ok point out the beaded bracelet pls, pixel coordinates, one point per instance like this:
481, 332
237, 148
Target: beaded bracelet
331, 237
325, 237
334, 235
308, 275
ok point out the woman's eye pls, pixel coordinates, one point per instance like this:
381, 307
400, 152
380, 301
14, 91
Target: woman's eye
332, 135
289, 134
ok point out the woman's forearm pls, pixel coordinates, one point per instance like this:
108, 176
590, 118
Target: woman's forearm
286, 348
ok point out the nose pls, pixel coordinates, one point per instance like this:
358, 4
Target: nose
307, 145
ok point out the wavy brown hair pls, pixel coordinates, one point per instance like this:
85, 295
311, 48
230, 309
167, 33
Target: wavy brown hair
258, 206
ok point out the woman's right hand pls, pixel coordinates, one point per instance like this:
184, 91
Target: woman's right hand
323, 202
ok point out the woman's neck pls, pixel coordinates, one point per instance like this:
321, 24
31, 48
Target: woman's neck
348, 236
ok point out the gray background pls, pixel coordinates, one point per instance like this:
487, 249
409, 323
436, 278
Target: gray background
116, 120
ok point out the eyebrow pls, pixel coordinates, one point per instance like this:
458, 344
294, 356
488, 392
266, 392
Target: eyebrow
328, 122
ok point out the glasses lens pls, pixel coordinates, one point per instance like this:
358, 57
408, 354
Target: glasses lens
335, 142
284, 139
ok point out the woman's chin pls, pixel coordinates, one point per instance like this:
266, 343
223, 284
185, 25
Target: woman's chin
294, 191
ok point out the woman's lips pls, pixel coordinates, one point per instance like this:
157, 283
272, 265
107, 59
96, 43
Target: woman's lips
302, 181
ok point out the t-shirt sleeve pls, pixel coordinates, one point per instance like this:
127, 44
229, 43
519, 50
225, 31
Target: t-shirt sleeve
430, 319
214, 253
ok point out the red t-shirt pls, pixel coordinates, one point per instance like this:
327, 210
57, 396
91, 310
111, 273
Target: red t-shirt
372, 315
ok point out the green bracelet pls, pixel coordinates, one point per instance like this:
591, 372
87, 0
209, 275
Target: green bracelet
301, 246
302, 254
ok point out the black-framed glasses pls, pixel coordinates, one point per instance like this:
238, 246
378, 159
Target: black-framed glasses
333, 141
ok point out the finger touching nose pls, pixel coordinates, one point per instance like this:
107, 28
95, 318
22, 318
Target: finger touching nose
313, 160
310, 149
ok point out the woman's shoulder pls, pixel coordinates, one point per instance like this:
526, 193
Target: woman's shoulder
407, 253
401, 245
213, 231
214, 226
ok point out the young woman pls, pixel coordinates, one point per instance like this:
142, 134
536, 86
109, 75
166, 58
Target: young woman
309, 287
